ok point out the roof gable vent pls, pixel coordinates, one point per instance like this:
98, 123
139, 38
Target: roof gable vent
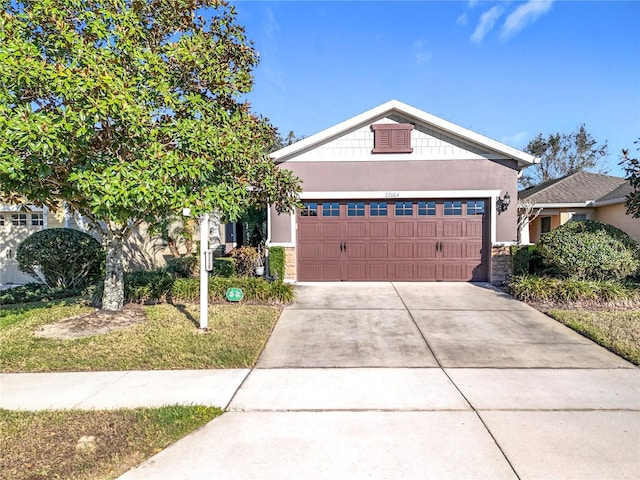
392, 137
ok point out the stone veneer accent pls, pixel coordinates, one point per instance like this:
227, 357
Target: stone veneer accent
290, 263
500, 264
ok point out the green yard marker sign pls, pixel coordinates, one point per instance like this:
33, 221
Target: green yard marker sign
234, 294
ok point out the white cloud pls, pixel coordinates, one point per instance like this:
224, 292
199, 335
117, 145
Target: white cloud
487, 21
524, 15
462, 20
422, 55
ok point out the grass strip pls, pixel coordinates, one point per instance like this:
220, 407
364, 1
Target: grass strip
90, 445
619, 331
169, 339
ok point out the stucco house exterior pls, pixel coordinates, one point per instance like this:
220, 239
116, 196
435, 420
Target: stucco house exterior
397, 194
579, 196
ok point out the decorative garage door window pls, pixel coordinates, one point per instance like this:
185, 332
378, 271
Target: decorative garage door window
310, 209
417, 240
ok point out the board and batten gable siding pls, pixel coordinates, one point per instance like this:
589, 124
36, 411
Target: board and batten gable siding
427, 143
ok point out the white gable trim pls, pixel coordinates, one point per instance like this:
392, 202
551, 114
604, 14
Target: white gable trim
291, 151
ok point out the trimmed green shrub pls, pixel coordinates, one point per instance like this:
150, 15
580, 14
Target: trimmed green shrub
276, 263
531, 288
590, 250
34, 292
183, 267
245, 260
254, 289
224, 267
61, 258
526, 259
148, 286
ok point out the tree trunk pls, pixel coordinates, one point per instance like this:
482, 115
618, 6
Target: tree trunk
113, 295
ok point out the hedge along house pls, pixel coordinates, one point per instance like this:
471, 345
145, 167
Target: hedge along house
397, 194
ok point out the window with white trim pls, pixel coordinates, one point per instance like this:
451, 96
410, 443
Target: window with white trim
18, 219
37, 219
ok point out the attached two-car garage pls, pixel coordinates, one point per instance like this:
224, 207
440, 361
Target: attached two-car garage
399, 240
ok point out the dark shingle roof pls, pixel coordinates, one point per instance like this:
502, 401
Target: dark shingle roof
621, 192
578, 187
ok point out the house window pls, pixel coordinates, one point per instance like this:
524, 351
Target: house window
453, 208
18, 219
1, 220
355, 209
310, 209
37, 219
579, 217
426, 208
545, 225
475, 207
404, 209
331, 209
378, 209
392, 137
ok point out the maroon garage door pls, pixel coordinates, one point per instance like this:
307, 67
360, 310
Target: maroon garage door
430, 240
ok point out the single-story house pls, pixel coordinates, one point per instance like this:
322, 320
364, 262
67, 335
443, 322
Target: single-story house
397, 194
579, 196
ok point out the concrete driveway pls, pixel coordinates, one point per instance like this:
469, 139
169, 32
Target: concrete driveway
419, 381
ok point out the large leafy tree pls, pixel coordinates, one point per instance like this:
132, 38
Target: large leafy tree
631, 167
130, 110
563, 154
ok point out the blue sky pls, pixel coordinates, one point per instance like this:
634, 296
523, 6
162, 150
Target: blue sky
507, 70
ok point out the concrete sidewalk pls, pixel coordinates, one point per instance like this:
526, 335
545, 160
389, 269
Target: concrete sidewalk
407, 381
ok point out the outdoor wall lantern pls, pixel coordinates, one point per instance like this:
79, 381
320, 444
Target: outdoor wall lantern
503, 203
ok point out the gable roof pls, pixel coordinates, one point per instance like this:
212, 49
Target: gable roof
577, 190
402, 109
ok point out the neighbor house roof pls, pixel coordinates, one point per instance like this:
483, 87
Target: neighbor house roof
407, 111
577, 190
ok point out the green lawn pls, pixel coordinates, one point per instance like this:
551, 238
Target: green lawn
168, 339
90, 445
619, 331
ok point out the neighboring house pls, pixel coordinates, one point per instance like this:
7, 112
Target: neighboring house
399, 194
579, 196
17, 222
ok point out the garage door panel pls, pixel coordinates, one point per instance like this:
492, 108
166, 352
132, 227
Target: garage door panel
403, 250
426, 250
356, 271
379, 271
404, 272
426, 272
331, 251
453, 272
451, 250
308, 231
452, 229
379, 229
356, 230
356, 250
473, 230
427, 229
332, 230
473, 250
309, 251
379, 250
404, 229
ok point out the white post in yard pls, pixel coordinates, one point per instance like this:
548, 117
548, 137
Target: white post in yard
204, 274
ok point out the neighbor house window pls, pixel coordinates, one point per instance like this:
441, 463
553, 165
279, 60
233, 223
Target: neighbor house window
355, 209
404, 209
545, 225
37, 219
453, 208
18, 219
1, 220
310, 209
426, 208
392, 137
331, 209
378, 209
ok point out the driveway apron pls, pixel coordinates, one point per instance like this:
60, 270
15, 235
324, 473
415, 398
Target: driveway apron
419, 381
